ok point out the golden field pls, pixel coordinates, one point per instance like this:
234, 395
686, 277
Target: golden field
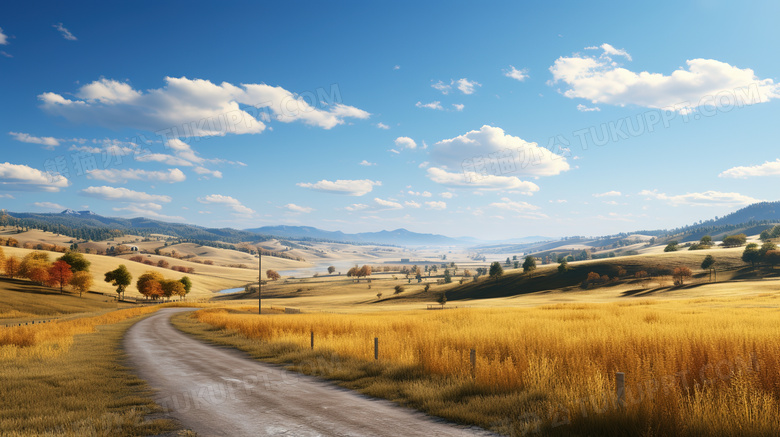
693, 367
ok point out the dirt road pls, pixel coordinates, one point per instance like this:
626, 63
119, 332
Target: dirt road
220, 392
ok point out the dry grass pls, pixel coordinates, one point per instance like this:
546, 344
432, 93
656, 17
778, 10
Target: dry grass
706, 366
56, 382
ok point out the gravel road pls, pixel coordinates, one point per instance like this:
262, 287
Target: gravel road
217, 391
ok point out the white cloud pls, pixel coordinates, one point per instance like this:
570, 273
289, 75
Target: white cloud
436, 204
349, 187
612, 193
447, 195
458, 106
65, 32
417, 193
443, 87
7, 196
412, 204
583, 108
394, 151
49, 142
183, 151
433, 105
228, 201
50, 205
516, 74
148, 210
381, 125
122, 176
705, 82
19, 177
493, 146
299, 209
194, 107
707, 198
467, 86
163, 158
511, 205
365, 163
3, 38
388, 203
123, 194
397, 67
769, 168
423, 164
481, 182
356, 207
203, 171
405, 142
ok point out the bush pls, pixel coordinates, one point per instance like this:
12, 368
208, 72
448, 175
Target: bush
399, 289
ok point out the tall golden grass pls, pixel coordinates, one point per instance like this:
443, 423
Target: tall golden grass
47, 340
707, 366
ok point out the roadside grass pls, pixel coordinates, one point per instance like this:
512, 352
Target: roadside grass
708, 366
69, 378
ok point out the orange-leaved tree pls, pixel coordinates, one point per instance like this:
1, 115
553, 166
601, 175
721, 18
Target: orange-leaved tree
81, 282
59, 274
150, 284
272, 275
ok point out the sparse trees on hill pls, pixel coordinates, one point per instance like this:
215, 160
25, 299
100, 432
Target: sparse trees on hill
120, 278
495, 270
59, 274
751, 254
272, 275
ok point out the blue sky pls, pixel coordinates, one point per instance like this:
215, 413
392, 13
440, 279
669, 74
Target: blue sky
496, 120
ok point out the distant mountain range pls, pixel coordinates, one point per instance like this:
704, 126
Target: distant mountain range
400, 237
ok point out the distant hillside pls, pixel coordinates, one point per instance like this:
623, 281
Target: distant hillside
400, 237
757, 212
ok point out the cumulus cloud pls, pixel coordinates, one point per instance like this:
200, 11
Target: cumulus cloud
583, 108
458, 106
405, 142
707, 198
417, 193
499, 152
433, 105
388, 203
65, 32
480, 182
148, 210
3, 38
47, 142
194, 107
49, 205
443, 87
205, 173
349, 187
516, 74
511, 205
436, 204
467, 86
299, 209
356, 207
769, 168
365, 163
122, 176
381, 125
447, 195
412, 204
612, 193
227, 201
123, 194
19, 177
705, 82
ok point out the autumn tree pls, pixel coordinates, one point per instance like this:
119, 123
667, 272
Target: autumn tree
680, 273
772, 258
12, 267
81, 281
32, 261
364, 271
120, 278
272, 275
150, 284
766, 247
331, 269
76, 261
2, 257
172, 287
163, 263
529, 264
496, 270
60, 274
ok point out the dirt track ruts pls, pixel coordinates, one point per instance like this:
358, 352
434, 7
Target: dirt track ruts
217, 391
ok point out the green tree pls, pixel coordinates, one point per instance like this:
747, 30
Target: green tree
120, 278
508, 262
331, 269
765, 235
751, 254
766, 247
447, 276
495, 270
734, 240
76, 261
706, 240
529, 264
671, 246
707, 264
563, 266
443, 298
187, 283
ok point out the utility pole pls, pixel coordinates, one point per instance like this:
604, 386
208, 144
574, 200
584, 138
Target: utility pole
259, 281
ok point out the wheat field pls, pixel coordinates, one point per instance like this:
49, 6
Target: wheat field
692, 367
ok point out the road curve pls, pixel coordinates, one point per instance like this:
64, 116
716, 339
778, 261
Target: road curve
217, 391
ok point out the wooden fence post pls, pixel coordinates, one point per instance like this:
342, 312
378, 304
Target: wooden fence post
620, 389
376, 348
473, 359
312, 339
